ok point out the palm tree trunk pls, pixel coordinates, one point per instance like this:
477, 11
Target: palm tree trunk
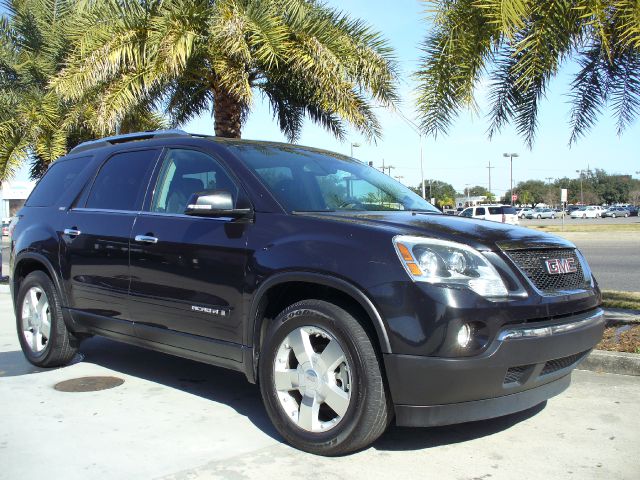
227, 113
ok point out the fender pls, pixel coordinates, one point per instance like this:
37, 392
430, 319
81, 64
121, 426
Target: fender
38, 257
254, 324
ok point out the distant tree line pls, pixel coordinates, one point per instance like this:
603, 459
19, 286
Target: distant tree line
592, 187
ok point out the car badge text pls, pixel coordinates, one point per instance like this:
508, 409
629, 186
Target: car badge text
556, 266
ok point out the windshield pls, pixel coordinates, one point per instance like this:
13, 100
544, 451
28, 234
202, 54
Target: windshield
307, 180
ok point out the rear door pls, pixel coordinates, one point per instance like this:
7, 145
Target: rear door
95, 240
188, 272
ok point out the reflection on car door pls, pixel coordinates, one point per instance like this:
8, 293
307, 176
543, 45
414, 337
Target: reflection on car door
186, 271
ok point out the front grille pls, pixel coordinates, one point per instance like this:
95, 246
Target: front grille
561, 363
531, 263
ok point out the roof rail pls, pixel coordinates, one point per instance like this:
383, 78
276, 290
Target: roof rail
128, 137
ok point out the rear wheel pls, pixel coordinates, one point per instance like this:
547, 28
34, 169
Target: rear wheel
43, 335
553, 217
613, 215
321, 381
539, 216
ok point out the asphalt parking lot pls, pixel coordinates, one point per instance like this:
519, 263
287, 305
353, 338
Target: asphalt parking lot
177, 419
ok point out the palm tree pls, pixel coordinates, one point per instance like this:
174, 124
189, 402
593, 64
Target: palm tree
191, 56
522, 44
36, 123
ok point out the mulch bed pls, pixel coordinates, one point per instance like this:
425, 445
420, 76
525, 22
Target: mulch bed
624, 338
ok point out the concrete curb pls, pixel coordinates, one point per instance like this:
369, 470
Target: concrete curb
603, 361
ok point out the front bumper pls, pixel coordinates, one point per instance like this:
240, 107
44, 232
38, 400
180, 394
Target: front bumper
524, 366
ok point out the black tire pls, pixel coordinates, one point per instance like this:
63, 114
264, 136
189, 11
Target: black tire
539, 216
62, 345
369, 411
613, 215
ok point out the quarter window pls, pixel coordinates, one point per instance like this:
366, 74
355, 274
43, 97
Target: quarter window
121, 182
56, 181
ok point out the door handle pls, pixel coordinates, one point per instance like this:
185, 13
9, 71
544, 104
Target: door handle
145, 239
72, 232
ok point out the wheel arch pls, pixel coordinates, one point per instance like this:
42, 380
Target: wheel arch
28, 262
286, 288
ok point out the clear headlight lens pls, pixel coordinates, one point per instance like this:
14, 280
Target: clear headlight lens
448, 263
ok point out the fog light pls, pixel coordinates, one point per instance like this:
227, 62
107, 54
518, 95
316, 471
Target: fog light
464, 336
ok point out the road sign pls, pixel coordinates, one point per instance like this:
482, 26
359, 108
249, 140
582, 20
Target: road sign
563, 194
514, 197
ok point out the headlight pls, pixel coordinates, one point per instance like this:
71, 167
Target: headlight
448, 263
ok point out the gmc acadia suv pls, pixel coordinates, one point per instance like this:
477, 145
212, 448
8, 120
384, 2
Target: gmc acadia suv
347, 297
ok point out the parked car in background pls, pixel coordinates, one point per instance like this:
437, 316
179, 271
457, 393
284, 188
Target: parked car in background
572, 208
495, 213
592, 211
5, 227
633, 211
614, 212
522, 213
541, 213
449, 211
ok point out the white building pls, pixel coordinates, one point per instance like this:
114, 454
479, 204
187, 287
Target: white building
13, 196
464, 202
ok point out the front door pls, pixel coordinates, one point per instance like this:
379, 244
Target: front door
187, 272
95, 235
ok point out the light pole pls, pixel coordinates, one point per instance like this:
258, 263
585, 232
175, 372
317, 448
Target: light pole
398, 177
580, 172
354, 145
466, 187
511, 155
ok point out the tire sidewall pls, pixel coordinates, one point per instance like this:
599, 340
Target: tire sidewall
282, 326
41, 280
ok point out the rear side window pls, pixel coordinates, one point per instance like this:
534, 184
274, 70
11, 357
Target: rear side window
56, 181
495, 210
122, 180
480, 211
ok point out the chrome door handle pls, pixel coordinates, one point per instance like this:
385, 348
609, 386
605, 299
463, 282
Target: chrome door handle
146, 239
72, 232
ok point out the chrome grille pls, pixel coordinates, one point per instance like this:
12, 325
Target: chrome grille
531, 263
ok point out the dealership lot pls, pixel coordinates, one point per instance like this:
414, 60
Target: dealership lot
177, 419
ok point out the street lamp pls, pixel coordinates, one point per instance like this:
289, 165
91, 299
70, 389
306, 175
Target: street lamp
511, 155
466, 187
354, 145
580, 172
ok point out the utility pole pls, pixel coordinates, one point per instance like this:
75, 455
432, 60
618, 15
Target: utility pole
489, 168
549, 179
581, 172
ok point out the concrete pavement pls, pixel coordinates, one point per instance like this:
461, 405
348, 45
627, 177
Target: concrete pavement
177, 419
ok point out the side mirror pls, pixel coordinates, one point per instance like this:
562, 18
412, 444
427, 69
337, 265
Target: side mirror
214, 203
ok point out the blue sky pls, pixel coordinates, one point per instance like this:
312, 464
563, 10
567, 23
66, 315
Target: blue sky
462, 157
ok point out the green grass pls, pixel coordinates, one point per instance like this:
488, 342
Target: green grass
615, 299
569, 227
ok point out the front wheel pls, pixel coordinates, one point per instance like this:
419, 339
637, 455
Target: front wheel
43, 335
321, 381
613, 215
539, 217
553, 217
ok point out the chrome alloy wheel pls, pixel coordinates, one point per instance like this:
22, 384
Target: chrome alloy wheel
312, 379
36, 319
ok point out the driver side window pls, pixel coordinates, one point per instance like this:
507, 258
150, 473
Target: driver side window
185, 172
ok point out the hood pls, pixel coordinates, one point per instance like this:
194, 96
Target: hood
479, 234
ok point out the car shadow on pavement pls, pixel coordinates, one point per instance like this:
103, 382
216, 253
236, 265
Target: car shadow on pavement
409, 438
213, 383
14, 364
